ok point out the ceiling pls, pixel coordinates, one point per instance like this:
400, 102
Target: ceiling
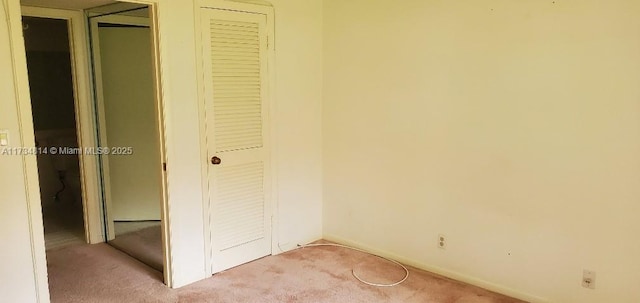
66, 4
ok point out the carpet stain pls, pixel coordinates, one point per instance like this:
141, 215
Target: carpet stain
275, 270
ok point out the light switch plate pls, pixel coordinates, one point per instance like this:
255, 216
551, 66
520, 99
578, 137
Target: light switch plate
4, 138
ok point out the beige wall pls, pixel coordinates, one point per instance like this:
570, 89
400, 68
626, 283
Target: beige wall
298, 118
17, 278
512, 127
298, 71
184, 183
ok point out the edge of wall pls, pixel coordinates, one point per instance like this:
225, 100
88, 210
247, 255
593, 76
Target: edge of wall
289, 246
501, 289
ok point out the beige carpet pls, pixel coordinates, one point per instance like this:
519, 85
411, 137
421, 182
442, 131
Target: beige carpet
145, 245
125, 227
100, 273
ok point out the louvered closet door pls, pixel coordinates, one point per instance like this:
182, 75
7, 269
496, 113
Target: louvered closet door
234, 45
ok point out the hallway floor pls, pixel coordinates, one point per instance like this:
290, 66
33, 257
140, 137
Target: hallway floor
63, 225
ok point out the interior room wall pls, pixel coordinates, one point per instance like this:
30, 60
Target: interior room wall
298, 43
298, 70
184, 179
17, 276
511, 127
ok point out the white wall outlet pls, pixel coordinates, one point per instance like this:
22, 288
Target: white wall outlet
589, 279
442, 241
4, 137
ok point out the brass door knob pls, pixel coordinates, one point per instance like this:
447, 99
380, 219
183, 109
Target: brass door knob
215, 160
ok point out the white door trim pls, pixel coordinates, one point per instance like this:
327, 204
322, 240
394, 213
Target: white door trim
99, 110
268, 11
27, 139
161, 70
158, 68
85, 123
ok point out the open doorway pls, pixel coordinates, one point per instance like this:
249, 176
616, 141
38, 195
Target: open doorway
49, 63
128, 129
98, 125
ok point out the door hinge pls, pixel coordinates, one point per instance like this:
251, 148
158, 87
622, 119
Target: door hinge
164, 166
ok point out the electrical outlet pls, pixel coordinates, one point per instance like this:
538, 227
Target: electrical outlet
589, 279
4, 137
442, 241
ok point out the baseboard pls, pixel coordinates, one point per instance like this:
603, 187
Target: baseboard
289, 246
440, 271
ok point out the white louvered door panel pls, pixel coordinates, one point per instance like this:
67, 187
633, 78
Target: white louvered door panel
235, 70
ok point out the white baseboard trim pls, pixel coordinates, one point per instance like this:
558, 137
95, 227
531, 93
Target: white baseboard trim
439, 270
289, 246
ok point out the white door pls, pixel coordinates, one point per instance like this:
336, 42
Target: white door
235, 83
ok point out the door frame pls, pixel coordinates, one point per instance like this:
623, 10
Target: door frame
100, 111
23, 100
253, 8
27, 140
158, 67
83, 106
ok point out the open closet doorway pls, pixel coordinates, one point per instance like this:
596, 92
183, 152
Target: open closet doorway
129, 129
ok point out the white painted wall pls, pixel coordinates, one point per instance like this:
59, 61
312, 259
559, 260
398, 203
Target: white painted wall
184, 180
298, 42
512, 127
299, 155
17, 272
